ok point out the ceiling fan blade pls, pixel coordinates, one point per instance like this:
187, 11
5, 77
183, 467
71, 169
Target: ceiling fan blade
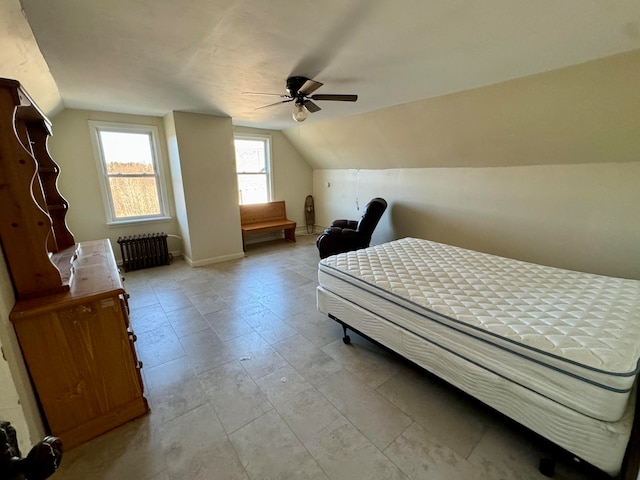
309, 86
312, 107
266, 94
337, 98
277, 103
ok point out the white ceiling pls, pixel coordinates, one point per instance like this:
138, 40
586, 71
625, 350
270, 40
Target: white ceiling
155, 56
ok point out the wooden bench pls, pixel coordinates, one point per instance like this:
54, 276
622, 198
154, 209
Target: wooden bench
266, 217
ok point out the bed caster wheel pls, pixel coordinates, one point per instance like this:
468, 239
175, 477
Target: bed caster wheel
346, 339
547, 467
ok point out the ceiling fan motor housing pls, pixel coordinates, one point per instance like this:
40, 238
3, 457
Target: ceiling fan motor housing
294, 84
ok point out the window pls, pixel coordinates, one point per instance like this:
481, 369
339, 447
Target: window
129, 164
253, 166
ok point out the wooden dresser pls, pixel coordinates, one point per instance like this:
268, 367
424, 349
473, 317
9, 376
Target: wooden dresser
71, 315
79, 349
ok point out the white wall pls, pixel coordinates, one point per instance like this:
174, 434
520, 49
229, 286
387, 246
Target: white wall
182, 218
17, 401
207, 162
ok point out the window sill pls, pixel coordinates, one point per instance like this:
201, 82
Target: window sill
136, 221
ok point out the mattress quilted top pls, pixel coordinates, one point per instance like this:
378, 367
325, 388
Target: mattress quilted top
589, 319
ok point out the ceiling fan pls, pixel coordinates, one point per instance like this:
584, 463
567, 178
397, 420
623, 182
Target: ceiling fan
299, 91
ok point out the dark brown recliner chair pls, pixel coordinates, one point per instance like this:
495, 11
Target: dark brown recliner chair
348, 235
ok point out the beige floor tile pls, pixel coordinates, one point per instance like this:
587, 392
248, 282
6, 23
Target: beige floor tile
257, 356
270, 327
420, 457
228, 323
195, 286
315, 327
379, 420
304, 409
148, 319
128, 452
155, 347
454, 419
282, 384
186, 321
145, 298
268, 449
173, 299
205, 350
196, 448
260, 317
307, 413
207, 303
236, 398
243, 307
345, 454
172, 390
309, 361
365, 360
506, 452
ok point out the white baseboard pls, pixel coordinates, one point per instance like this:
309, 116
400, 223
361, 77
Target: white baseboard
212, 260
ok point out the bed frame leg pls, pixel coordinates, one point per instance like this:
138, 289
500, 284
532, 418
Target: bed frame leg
547, 467
346, 339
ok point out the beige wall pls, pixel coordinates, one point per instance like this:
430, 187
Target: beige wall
71, 148
588, 113
199, 164
544, 168
582, 217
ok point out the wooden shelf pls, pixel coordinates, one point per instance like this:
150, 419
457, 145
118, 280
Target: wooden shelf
71, 314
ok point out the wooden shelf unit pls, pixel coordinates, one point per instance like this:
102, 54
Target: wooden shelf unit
71, 315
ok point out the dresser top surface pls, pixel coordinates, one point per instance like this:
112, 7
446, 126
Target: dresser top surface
91, 272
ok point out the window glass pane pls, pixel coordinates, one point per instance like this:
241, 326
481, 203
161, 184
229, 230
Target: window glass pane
127, 153
250, 156
253, 188
134, 196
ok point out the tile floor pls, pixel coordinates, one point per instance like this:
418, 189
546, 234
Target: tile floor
246, 380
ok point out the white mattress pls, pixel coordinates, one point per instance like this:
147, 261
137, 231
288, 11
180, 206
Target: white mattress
600, 443
569, 336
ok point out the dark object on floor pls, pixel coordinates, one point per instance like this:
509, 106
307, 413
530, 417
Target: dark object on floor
348, 235
41, 462
144, 251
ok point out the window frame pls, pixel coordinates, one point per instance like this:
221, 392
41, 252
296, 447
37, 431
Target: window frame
266, 139
111, 219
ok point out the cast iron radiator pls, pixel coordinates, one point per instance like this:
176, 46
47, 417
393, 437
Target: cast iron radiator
144, 251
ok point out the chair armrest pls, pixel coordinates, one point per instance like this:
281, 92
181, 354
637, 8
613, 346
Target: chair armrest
350, 233
344, 224
337, 232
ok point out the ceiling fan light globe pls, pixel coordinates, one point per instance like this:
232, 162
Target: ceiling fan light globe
299, 113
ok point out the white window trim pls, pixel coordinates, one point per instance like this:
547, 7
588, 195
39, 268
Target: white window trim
95, 127
266, 139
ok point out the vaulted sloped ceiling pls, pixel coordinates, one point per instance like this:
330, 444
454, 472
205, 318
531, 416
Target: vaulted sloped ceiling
156, 56
20, 58
586, 113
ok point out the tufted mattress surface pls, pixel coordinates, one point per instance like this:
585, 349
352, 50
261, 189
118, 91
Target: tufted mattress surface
570, 336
